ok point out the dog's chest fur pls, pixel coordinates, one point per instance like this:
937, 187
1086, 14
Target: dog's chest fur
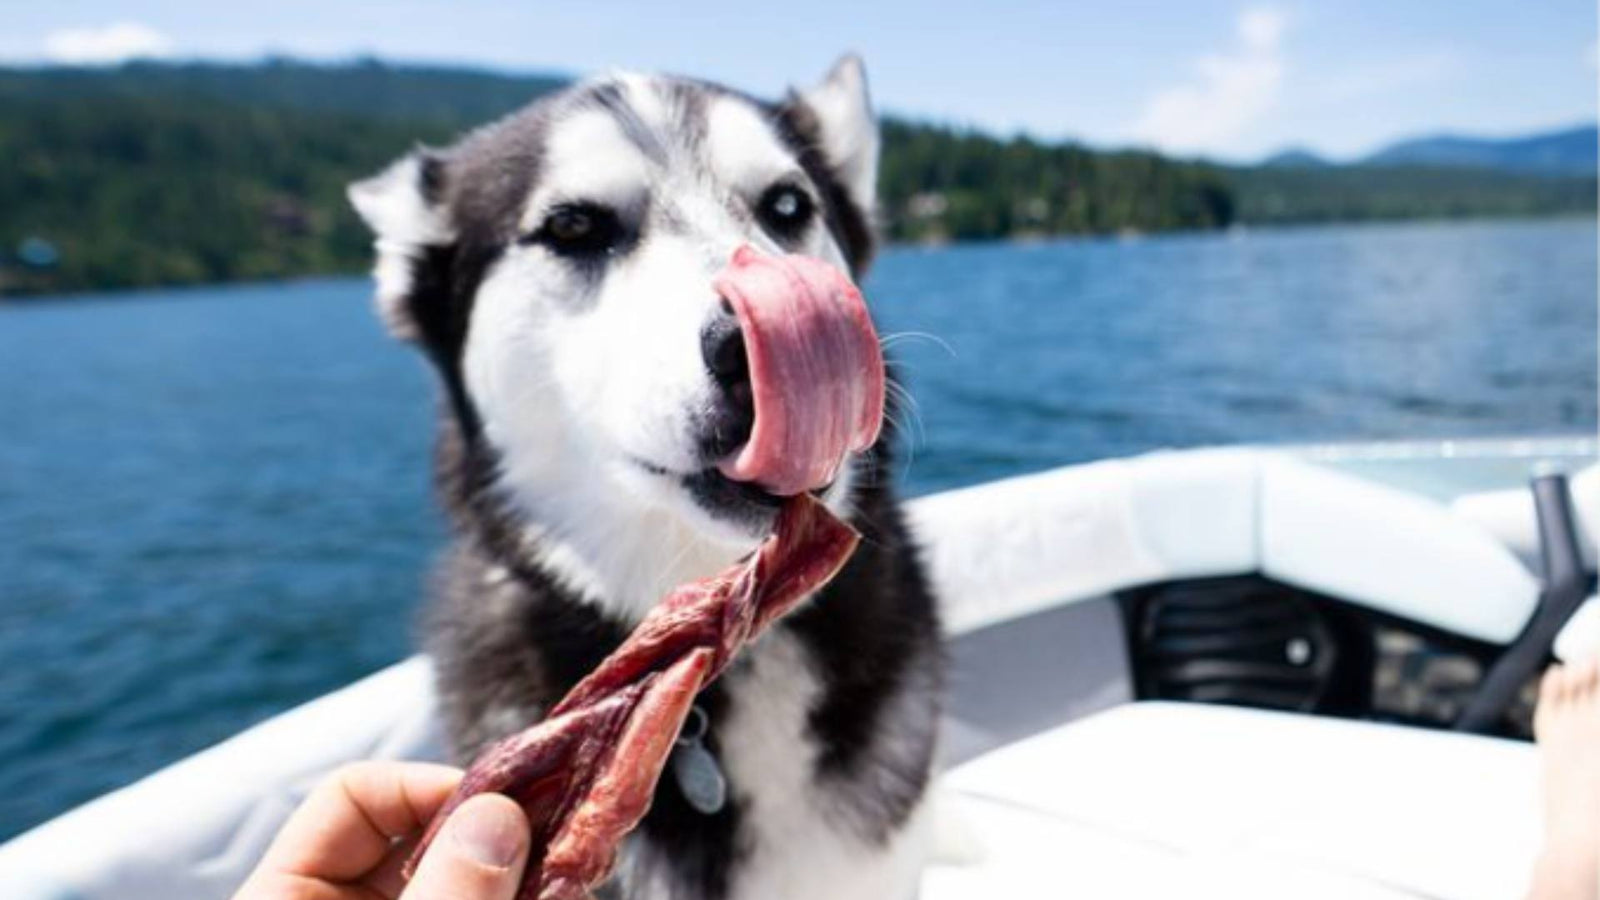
824, 728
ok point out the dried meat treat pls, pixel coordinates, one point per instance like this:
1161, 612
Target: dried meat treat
586, 774
722, 612
581, 854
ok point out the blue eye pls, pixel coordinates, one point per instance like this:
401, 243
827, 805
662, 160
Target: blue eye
785, 210
786, 205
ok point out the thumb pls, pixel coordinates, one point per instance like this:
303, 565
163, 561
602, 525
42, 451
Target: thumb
478, 855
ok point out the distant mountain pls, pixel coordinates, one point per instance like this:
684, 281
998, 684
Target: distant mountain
1290, 195
1295, 158
1572, 151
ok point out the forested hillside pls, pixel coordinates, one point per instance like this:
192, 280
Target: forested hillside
172, 174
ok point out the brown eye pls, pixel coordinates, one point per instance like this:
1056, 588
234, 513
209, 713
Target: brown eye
579, 230
570, 225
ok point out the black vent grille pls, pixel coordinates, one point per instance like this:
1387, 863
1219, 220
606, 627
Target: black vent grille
1246, 641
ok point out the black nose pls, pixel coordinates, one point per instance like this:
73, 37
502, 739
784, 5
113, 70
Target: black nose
733, 413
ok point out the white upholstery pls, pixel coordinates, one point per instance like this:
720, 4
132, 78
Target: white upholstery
1160, 799
1027, 854
195, 829
1391, 551
1509, 516
1005, 549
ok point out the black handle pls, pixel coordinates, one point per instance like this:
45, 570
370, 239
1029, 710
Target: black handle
1565, 588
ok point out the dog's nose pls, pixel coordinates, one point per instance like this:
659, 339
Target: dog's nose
722, 347
734, 415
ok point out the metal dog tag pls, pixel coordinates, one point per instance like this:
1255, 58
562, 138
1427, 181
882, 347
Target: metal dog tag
697, 770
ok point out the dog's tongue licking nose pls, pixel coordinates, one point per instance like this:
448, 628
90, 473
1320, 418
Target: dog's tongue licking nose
816, 371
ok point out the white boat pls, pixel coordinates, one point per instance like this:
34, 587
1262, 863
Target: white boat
1353, 606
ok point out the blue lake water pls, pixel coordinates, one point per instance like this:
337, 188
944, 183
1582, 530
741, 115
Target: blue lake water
214, 503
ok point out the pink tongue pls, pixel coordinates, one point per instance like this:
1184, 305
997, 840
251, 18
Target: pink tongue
815, 369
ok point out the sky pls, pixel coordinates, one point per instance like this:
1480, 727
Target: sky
1227, 80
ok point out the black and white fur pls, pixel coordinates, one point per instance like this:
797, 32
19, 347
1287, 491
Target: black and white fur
576, 457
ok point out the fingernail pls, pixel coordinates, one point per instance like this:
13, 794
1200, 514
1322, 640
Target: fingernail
490, 830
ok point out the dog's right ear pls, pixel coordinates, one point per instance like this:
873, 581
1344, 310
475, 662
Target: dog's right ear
403, 205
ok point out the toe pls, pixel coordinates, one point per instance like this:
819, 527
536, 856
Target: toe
1577, 682
1588, 678
1567, 685
1552, 686
1550, 689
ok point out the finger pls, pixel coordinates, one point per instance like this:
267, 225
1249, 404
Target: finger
388, 879
479, 855
350, 822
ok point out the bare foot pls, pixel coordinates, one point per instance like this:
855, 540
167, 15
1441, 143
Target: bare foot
1567, 727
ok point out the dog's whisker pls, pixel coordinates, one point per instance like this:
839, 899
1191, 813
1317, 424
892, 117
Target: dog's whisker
909, 404
901, 427
889, 340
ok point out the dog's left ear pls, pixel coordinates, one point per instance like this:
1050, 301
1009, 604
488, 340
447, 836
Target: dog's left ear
847, 130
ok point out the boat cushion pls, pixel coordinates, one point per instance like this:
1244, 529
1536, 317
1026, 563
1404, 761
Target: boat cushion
1389, 550
1003, 550
1166, 799
1509, 516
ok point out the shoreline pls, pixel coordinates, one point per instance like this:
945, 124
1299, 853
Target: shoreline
1238, 229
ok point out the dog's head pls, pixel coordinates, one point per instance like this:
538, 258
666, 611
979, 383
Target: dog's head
561, 269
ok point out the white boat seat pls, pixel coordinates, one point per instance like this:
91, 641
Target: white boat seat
1164, 799
1005, 549
1509, 516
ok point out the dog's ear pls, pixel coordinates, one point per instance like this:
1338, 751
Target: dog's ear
403, 205
847, 128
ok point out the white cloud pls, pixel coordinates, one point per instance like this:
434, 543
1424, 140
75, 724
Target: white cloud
1230, 92
1262, 28
105, 46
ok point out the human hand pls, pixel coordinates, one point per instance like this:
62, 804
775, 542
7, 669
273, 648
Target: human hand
349, 839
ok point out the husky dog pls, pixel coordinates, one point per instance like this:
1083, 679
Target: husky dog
556, 268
